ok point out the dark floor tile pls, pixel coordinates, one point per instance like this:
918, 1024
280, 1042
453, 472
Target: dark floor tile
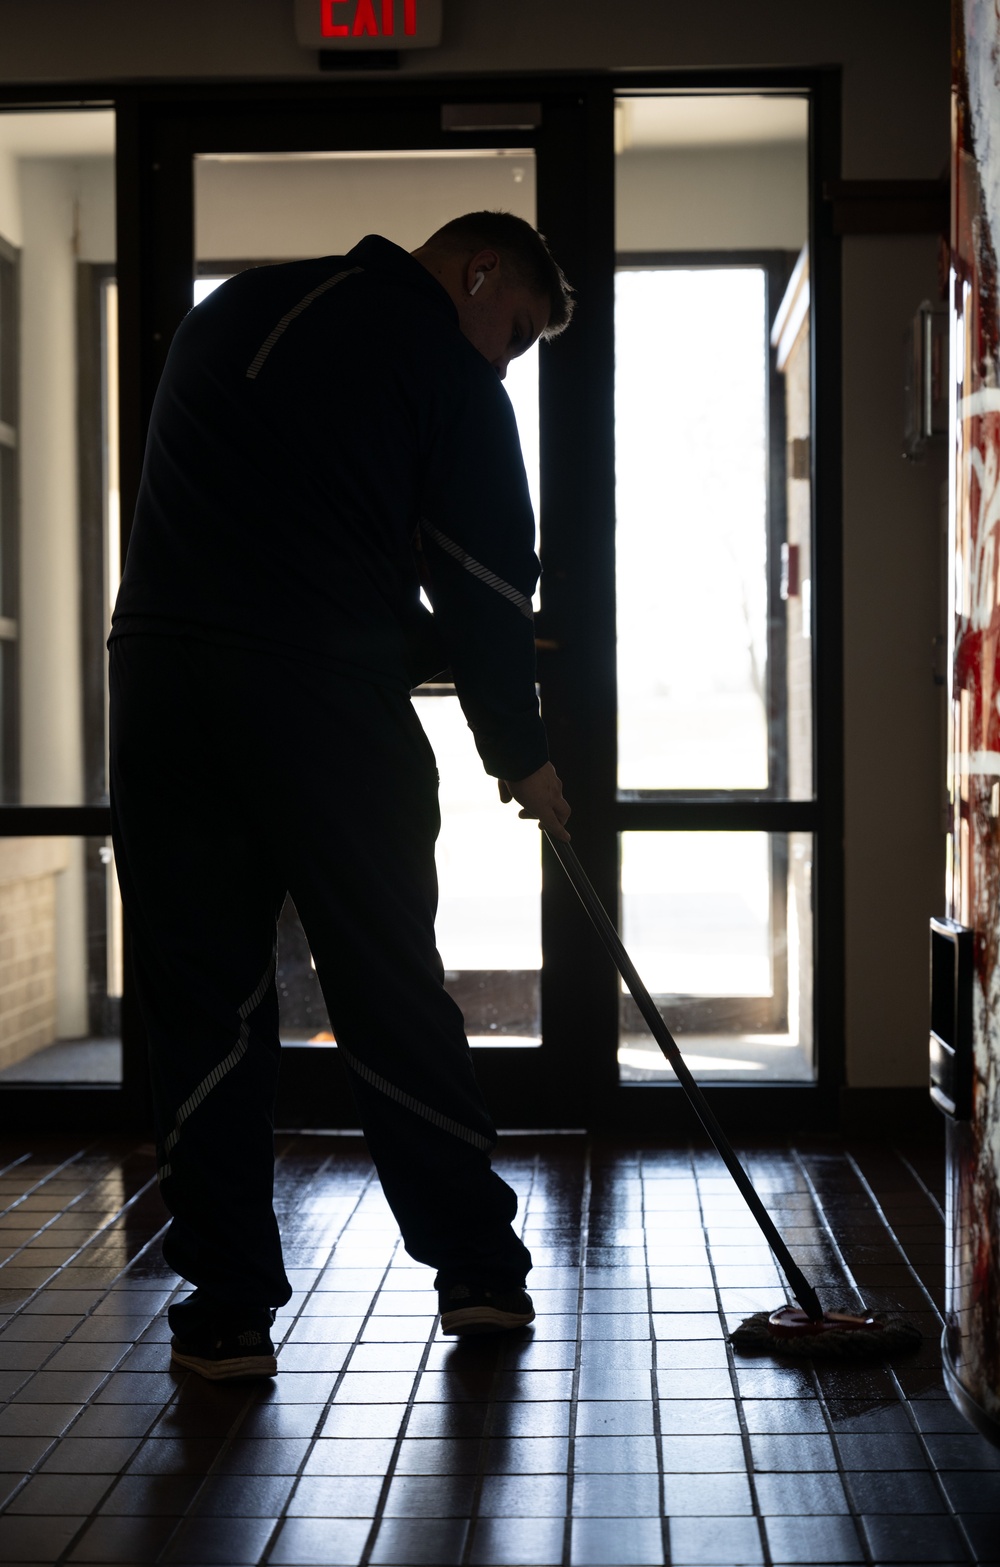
701, 1495
21, 1453
443, 1455
616, 1496
939, 1415
897, 1491
758, 1382
33, 1420
691, 1355
219, 1542
270, 1420
23, 1355
382, 1420
694, 1417
105, 1455
336, 1496
523, 1495
47, 1494
78, 1356
608, 1418
273, 1456
35, 1539
60, 1387
784, 1416
887, 1450
616, 1542
163, 1495
971, 1492
412, 1542
513, 1421
813, 1541
912, 1540
117, 1420
804, 1493
982, 1532
517, 1542
730, 1542
25, 1329
962, 1452
109, 1541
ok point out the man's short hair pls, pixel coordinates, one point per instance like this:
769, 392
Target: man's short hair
525, 251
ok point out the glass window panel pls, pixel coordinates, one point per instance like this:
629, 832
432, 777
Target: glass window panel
58, 210
252, 209
719, 926
60, 961
489, 921
712, 443
284, 206
691, 529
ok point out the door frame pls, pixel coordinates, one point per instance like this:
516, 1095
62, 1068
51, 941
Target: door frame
572, 1081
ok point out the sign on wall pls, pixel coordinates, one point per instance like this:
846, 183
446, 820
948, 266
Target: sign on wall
368, 24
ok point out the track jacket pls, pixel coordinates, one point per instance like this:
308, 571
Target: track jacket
313, 422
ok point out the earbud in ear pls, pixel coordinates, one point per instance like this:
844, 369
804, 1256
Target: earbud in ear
480, 278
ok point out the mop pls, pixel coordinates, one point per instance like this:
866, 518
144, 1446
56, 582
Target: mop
802, 1330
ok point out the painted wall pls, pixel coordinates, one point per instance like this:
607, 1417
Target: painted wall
63, 212
895, 59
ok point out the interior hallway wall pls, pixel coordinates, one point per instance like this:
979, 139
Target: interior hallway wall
895, 58
51, 730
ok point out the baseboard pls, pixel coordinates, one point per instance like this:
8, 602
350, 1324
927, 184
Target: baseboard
889, 1113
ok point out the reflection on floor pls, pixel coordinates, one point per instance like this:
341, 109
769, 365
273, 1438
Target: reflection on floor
619, 1429
719, 1058
70, 1061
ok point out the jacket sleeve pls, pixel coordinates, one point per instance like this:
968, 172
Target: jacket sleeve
478, 533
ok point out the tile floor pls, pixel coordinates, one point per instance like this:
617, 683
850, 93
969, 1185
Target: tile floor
619, 1429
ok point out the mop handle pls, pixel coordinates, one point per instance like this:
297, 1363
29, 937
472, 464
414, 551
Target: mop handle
801, 1289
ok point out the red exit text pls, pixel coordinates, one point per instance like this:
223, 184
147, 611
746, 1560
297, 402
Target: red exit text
336, 20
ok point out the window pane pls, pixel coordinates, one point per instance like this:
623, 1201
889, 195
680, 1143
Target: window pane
690, 397
58, 211
719, 926
712, 432
489, 878
60, 961
252, 209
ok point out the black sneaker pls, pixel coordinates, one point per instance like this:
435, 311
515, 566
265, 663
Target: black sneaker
219, 1341
470, 1308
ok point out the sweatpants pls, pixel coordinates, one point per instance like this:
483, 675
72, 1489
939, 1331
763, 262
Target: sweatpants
238, 777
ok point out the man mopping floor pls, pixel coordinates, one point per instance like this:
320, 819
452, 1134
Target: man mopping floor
326, 434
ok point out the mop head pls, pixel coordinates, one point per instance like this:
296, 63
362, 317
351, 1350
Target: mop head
838, 1335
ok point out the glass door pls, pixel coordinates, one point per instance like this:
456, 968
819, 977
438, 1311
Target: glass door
715, 733
246, 187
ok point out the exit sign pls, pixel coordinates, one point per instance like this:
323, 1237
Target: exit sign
368, 24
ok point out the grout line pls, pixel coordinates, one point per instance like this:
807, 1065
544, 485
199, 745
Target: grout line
734, 1380
842, 1472
491, 1402
390, 1468
574, 1395
810, 1366
14, 1163
950, 1510
654, 1380
866, 1186
95, 1511
888, 1367
931, 1198
820, 1212
252, 1400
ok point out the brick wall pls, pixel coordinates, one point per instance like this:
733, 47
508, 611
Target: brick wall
29, 868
